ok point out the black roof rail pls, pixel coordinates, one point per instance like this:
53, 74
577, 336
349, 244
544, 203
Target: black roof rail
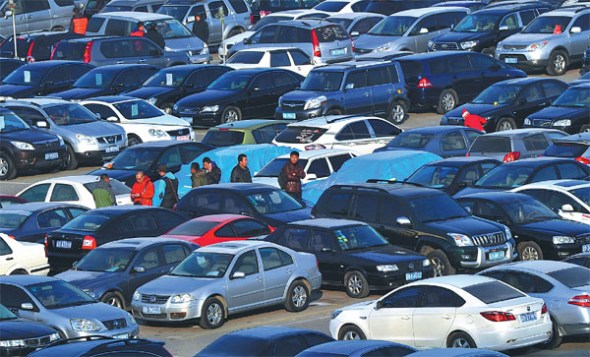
347, 117
394, 182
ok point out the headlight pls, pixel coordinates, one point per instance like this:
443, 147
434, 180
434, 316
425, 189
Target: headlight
90, 292
136, 295
536, 46
86, 139
527, 121
314, 103
152, 101
280, 101
182, 298
468, 44
84, 325
54, 337
13, 343
22, 146
210, 108
563, 122
335, 314
461, 240
430, 44
563, 240
205, 50
387, 268
383, 48
175, 107
157, 133
426, 263
507, 232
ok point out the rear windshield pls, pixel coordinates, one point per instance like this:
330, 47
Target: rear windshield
558, 149
223, 138
70, 51
410, 140
246, 57
331, 6
342, 22
491, 144
574, 277
119, 188
87, 222
13, 219
331, 33
412, 71
193, 228
493, 291
300, 135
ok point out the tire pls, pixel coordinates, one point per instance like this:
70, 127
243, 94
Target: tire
351, 332
113, 298
585, 129
213, 314
440, 263
490, 51
555, 340
557, 63
7, 168
231, 114
235, 31
58, 28
505, 124
460, 340
529, 251
70, 163
133, 140
334, 112
356, 284
167, 108
397, 113
447, 101
297, 297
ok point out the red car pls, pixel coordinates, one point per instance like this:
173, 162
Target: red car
218, 228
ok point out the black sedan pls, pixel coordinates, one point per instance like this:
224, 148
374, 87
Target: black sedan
167, 86
43, 78
146, 157
453, 174
97, 227
8, 65
237, 95
112, 272
353, 255
100, 346
505, 104
108, 80
538, 231
20, 337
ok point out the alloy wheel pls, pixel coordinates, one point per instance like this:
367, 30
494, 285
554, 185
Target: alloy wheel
355, 285
530, 253
299, 296
351, 335
461, 343
231, 116
3, 167
448, 102
559, 63
214, 314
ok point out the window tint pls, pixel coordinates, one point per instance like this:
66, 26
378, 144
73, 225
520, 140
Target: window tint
214, 8
138, 223
583, 22
354, 131
404, 298
322, 241
391, 210
377, 76
338, 160
263, 82
319, 167
412, 70
239, 6
34, 5
532, 93
527, 16
285, 79
174, 253
453, 141
12, 296
250, 228
273, 258
481, 62
363, 26
428, 23
331, 33
279, 59
75, 212
300, 58
36, 193
574, 277
171, 157
553, 89
4, 248
63, 192
571, 171
366, 208
117, 28
189, 152
544, 174
440, 297
95, 24
54, 218
129, 79
356, 79
535, 142
226, 232
493, 291
295, 238
472, 135
29, 115
247, 263
337, 204
149, 259
509, 22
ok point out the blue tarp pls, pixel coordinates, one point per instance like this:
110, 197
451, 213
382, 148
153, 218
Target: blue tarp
386, 165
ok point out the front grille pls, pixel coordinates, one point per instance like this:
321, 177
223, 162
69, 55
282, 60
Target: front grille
194, 110
291, 105
410, 266
37, 341
455, 120
53, 144
115, 324
179, 132
155, 316
362, 50
489, 239
111, 139
520, 58
154, 299
445, 46
542, 123
514, 47
583, 238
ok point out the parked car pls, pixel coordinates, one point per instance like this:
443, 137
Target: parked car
207, 283
72, 189
583, 78
8, 65
506, 104
569, 112
358, 133
133, 5
94, 6
290, 58
582, 259
23, 148
217, 228
29, 222
500, 317
253, 131
35, 16
95, 346
169, 85
87, 139
33, 47
453, 174
575, 146
349, 88
265, 341
481, 31
552, 281
409, 30
358, 348
459, 352
342, 7
21, 258
447, 79
97, 227
262, 8
113, 271
552, 42
389, 7
21, 337
42, 78
410, 217
471, 5
355, 23
9, 200
445, 141
108, 80
67, 309
237, 95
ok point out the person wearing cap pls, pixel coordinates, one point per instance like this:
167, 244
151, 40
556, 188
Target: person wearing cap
170, 194
79, 22
473, 121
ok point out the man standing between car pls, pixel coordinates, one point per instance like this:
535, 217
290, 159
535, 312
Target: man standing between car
291, 175
170, 195
201, 28
155, 36
79, 22
197, 175
139, 30
212, 172
103, 193
142, 191
241, 172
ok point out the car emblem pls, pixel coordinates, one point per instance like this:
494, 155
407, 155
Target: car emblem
152, 298
528, 308
289, 105
444, 46
111, 139
116, 323
411, 265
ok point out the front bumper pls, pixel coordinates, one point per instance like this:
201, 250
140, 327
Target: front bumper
286, 114
131, 331
477, 257
38, 159
391, 280
524, 60
200, 58
98, 155
168, 311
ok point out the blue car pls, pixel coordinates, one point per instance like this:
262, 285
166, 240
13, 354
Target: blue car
358, 348
29, 222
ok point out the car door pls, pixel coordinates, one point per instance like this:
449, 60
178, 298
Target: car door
57, 79
248, 290
390, 209
62, 192
262, 96
148, 266
331, 259
381, 87
530, 100
278, 268
37, 14
318, 169
357, 96
356, 137
218, 10
6, 258
392, 320
148, 52
36, 193
487, 70
453, 144
463, 79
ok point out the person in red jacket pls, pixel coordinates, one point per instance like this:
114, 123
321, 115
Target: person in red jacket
473, 121
139, 30
142, 191
79, 22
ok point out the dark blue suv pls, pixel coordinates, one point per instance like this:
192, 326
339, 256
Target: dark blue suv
349, 88
447, 79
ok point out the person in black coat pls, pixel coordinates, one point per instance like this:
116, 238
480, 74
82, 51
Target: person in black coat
155, 36
241, 172
201, 28
170, 195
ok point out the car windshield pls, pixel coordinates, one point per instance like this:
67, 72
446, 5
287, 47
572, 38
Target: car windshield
322, 81
477, 23
86, 222
273, 168
427, 208
246, 57
267, 20
273, 201
167, 78
9, 122
69, 114
176, 11
548, 24
498, 95
493, 291
504, 177
203, 265
193, 228
410, 140
392, 26
358, 237
57, 294
583, 194
11, 220
96, 79
331, 6
573, 277
170, 29
574, 97
343, 22
106, 260
232, 81
566, 149
137, 109
25, 76
223, 137
6, 314
523, 210
135, 159
434, 176
116, 8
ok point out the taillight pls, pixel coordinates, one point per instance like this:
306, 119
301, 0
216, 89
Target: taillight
263, 13
424, 83
467, 154
46, 241
498, 316
88, 52
252, 21
583, 160
54, 49
315, 43
511, 156
582, 300
352, 43
30, 50
544, 309
88, 243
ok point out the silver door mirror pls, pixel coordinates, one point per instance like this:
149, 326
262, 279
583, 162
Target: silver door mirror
423, 30
355, 34
504, 28
190, 19
576, 29
403, 221
113, 119
311, 177
27, 306
139, 270
238, 275
41, 124
567, 208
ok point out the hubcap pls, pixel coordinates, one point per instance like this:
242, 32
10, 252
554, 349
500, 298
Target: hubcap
448, 102
299, 296
355, 285
398, 113
214, 314
461, 343
3, 167
168, 110
505, 125
530, 253
114, 302
559, 63
132, 141
437, 266
231, 116
351, 335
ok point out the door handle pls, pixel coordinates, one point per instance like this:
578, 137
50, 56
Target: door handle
119, 62
447, 317
9, 258
405, 317
141, 61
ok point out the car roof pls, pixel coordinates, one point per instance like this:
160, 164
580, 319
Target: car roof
353, 15
310, 154
459, 281
327, 120
120, 210
270, 332
461, 160
140, 242
250, 124
269, 49
26, 279
570, 11
521, 132
442, 129
563, 185
524, 81
307, 23
347, 348
540, 266
112, 99
37, 206
497, 196
234, 247
134, 15
53, 63
72, 179
242, 187
428, 10
222, 217
328, 223
38, 101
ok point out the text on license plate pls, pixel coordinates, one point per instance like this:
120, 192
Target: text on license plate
529, 316
338, 52
289, 116
187, 119
183, 138
496, 255
51, 156
121, 335
112, 149
65, 244
153, 310
586, 248
413, 276
510, 60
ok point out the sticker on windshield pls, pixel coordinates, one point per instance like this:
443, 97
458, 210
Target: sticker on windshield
134, 110
98, 79
169, 79
306, 136
27, 76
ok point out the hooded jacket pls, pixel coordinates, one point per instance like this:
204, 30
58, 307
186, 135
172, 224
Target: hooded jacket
145, 189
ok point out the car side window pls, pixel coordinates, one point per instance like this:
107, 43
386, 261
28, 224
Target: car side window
265, 134
460, 63
428, 23
214, 8
273, 258
75, 212
481, 62
29, 115
338, 204
356, 80
117, 28
149, 259
279, 59
553, 89
128, 79
286, 79
485, 167
299, 58
207, 202
319, 167
532, 93
571, 171
390, 210
102, 111
239, 6
267, 34
235, 204
354, 131
535, 142
556, 200
583, 22
322, 241
393, 74
338, 160
226, 231
63, 192
527, 16
509, 22
366, 207
545, 174
198, 10
263, 82
4, 248
472, 135
453, 141
36, 193
174, 253
378, 76
189, 152
489, 211
436, 296
363, 26
197, 80
52, 219
57, 76
141, 9
359, 6
438, 66
13, 297
250, 228
247, 263
403, 298
138, 223
295, 238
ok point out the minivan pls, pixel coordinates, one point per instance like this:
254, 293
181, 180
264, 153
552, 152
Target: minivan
35, 16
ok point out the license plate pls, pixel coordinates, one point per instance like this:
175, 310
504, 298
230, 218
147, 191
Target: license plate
187, 119
289, 116
413, 276
510, 60
51, 156
338, 52
529, 316
112, 149
183, 138
151, 310
496, 255
65, 244
586, 248
121, 335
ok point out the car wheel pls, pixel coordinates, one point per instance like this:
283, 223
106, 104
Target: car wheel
297, 297
460, 340
133, 140
440, 263
70, 163
334, 112
356, 284
398, 112
585, 129
167, 108
505, 124
235, 31
557, 63
351, 332
19, 272
529, 251
490, 51
58, 28
447, 101
7, 168
213, 314
114, 299
555, 340
230, 115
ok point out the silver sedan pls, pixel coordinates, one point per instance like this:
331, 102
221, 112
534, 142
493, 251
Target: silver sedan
227, 278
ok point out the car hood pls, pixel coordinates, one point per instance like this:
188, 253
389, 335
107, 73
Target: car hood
528, 38
172, 285
556, 226
208, 97
90, 279
304, 95
15, 90
20, 328
238, 38
192, 43
32, 135
94, 129
367, 41
149, 92
386, 254
478, 109
81, 93
278, 219
474, 189
271, 181
365, 305
452, 36
120, 175
98, 311
469, 226
556, 113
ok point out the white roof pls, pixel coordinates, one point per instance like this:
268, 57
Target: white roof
264, 49
459, 281
557, 185
233, 247
296, 13
429, 10
540, 266
73, 179
139, 16
41, 101
329, 121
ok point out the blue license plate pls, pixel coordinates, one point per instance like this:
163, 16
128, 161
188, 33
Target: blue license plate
510, 60
496, 255
112, 149
51, 156
413, 276
528, 317
586, 248
289, 116
338, 52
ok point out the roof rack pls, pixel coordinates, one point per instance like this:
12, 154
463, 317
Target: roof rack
515, 2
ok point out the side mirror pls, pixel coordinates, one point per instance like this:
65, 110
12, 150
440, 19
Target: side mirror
27, 306
327, 250
423, 30
8, 13
379, 305
452, 26
522, 101
468, 209
576, 29
355, 34
503, 28
138, 270
349, 86
113, 119
238, 275
247, 41
190, 19
255, 89
312, 177
403, 221
41, 124
567, 208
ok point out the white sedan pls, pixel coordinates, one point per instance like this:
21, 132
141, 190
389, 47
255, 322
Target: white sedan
290, 58
452, 311
22, 257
